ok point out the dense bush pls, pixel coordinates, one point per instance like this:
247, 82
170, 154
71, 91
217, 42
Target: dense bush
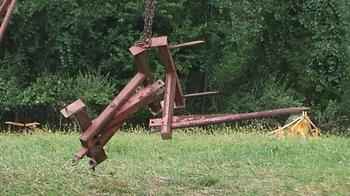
50, 93
260, 54
267, 95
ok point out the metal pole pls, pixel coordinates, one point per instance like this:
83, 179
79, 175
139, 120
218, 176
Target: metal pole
200, 120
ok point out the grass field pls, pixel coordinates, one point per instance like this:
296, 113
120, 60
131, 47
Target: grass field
140, 164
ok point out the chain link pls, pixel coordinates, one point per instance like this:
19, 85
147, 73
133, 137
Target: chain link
150, 6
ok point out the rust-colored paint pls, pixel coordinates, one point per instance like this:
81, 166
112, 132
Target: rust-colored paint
168, 108
200, 120
140, 99
107, 114
141, 61
167, 59
78, 110
6, 11
142, 91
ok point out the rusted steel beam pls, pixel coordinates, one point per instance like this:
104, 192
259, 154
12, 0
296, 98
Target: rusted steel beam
136, 50
103, 119
168, 108
200, 120
99, 155
155, 42
6, 11
4, 6
78, 110
186, 44
140, 99
201, 94
73, 108
141, 60
83, 119
167, 59
159, 42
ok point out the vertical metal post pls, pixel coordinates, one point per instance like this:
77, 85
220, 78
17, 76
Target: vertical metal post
167, 59
141, 60
168, 108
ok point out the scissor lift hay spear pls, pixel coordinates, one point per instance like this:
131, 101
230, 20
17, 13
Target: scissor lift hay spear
96, 133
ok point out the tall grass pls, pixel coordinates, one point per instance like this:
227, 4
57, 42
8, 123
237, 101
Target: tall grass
190, 164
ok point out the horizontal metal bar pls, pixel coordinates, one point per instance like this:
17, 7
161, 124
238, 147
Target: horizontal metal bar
202, 94
155, 42
186, 44
200, 120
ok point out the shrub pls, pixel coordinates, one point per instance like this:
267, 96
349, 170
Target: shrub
264, 96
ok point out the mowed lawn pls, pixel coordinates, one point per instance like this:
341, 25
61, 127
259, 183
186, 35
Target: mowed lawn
142, 164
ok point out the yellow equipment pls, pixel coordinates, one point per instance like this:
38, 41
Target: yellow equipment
301, 126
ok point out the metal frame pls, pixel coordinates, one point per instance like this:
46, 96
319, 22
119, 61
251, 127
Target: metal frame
160, 97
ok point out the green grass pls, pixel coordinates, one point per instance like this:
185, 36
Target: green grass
138, 164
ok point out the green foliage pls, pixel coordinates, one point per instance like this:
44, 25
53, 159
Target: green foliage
8, 92
47, 90
332, 118
56, 91
95, 89
264, 96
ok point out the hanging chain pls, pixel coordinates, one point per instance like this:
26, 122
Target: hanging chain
150, 6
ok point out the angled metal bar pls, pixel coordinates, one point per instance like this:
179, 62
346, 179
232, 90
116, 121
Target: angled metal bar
200, 120
140, 99
3, 8
6, 8
83, 119
167, 59
73, 108
108, 113
141, 60
143, 98
186, 44
136, 50
78, 110
202, 94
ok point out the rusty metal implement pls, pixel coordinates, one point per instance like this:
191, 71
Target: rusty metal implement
160, 97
